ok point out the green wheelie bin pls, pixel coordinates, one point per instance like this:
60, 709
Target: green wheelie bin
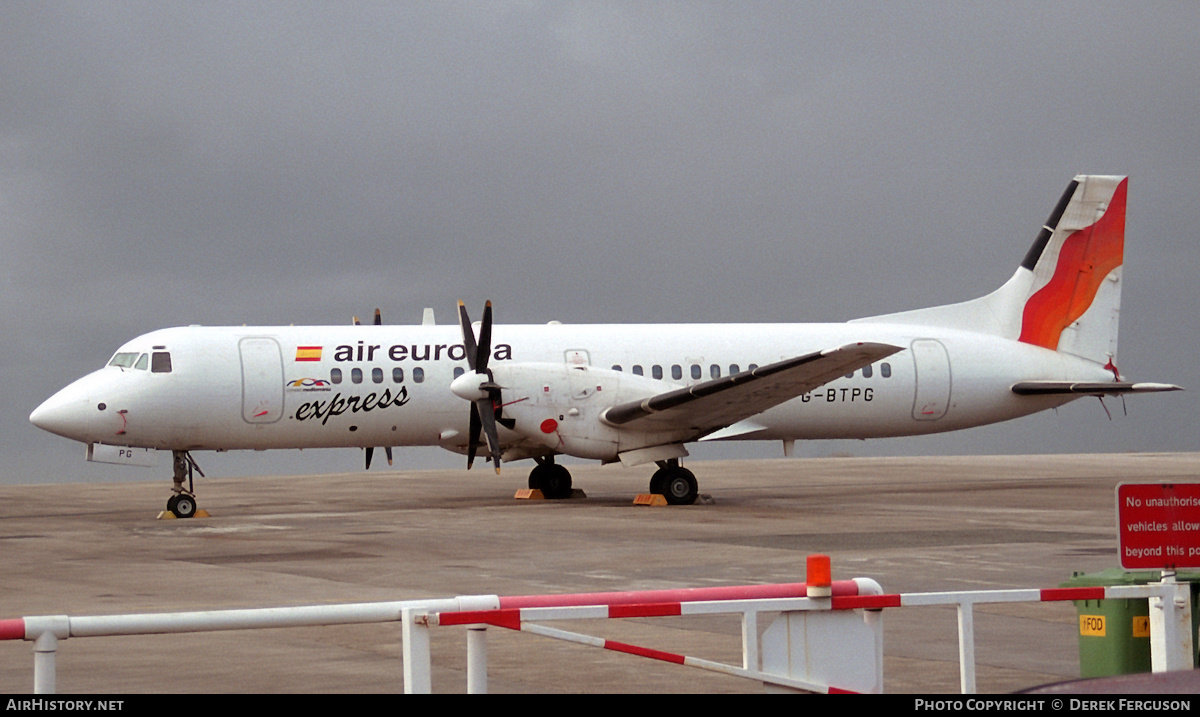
1114, 634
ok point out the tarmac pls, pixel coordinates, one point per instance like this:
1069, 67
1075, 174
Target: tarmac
912, 524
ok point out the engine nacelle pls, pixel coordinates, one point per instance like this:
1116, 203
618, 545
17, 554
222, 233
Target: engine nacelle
559, 406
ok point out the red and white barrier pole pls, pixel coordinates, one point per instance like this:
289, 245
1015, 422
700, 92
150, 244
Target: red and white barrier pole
819, 637
641, 597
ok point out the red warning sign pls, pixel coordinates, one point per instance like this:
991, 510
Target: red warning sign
1158, 525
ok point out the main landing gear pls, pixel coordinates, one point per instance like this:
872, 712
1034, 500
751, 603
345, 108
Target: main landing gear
183, 501
675, 483
672, 481
553, 480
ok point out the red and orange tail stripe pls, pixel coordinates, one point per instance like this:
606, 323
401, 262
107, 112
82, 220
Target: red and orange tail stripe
1087, 256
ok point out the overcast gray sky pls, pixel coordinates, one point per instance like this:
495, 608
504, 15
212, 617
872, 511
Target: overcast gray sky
167, 163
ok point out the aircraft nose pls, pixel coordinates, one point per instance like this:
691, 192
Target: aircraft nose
66, 414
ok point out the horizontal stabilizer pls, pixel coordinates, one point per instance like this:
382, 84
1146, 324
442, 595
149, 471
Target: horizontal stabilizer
1088, 388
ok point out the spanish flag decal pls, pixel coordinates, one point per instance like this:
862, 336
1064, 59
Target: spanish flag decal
308, 353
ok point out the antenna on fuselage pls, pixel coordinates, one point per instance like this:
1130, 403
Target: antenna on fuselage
378, 319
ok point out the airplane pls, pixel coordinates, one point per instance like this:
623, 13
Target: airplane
633, 394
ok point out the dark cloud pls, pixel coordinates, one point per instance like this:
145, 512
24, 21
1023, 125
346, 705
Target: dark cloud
228, 163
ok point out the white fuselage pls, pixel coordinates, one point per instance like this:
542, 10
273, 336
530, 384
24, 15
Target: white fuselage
304, 387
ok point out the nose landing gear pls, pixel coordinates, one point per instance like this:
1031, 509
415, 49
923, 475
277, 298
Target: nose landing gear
182, 504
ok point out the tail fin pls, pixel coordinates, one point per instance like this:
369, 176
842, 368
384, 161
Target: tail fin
1075, 301
1066, 295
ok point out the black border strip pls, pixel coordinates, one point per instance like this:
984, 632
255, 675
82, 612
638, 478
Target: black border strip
1043, 237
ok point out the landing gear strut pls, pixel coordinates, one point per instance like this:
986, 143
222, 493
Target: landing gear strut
675, 483
553, 480
183, 501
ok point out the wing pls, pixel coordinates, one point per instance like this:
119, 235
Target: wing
715, 404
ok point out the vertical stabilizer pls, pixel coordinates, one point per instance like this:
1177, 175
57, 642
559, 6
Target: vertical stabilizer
1066, 294
1075, 301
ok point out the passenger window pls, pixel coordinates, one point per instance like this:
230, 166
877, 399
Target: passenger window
676, 372
418, 375
616, 367
752, 367
733, 368
850, 375
335, 375
356, 375
377, 375
637, 370
397, 375
885, 370
458, 371
142, 363
696, 371
656, 371
160, 362
867, 371
714, 371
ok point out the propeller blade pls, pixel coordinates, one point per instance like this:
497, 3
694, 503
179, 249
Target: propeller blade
464, 322
485, 339
356, 321
483, 410
487, 413
378, 318
473, 435
387, 450
370, 452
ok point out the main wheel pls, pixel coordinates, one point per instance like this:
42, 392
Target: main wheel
553, 480
680, 487
556, 482
185, 506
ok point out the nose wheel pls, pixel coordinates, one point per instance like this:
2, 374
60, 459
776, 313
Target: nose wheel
183, 503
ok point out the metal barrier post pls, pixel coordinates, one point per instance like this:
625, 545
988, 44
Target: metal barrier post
46, 631
45, 671
477, 660
966, 647
750, 640
415, 636
1171, 626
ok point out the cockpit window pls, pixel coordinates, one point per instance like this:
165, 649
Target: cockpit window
142, 362
160, 362
124, 360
